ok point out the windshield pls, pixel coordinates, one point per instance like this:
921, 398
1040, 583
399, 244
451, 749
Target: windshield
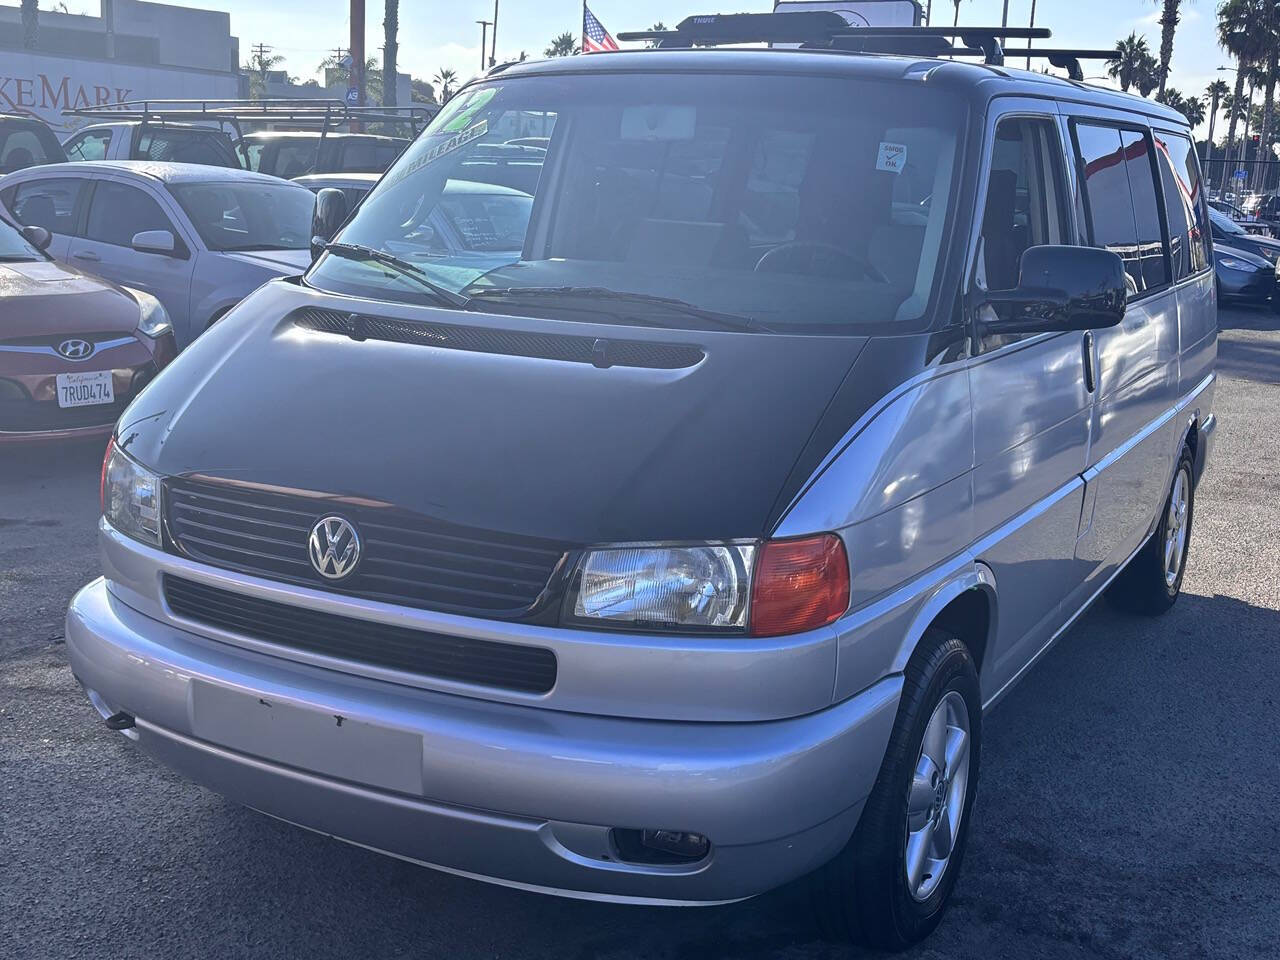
1225, 223
248, 215
14, 246
803, 204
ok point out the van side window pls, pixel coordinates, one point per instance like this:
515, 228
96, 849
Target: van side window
1184, 204
1025, 198
1117, 174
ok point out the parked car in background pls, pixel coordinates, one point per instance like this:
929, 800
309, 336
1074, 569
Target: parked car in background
290, 154
354, 186
74, 349
26, 142
1225, 230
1242, 276
473, 229
153, 140
197, 237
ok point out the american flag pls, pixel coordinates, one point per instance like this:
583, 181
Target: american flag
595, 38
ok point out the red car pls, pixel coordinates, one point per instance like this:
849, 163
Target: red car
74, 350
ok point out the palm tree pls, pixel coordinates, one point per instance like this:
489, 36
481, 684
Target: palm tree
340, 74
390, 48
1190, 107
955, 21
565, 45
1193, 110
445, 79
1216, 92
655, 28
1239, 35
1126, 66
260, 63
1147, 77
1169, 18
30, 23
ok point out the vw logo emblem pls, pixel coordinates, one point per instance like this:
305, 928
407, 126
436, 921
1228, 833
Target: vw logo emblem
334, 548
75, 349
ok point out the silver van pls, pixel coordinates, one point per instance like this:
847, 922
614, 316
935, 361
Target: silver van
677, 549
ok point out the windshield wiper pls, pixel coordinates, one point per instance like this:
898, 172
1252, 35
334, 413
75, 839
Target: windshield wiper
359, 252
729, 321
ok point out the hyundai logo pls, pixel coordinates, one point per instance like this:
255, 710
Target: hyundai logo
334, 548
76, 349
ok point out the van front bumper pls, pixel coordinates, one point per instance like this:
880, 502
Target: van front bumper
514, 794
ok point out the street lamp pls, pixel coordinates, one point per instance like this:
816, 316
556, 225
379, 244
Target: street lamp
484, 40
493, 53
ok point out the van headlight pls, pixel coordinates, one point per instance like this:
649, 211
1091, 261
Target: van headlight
764, 589
130, 497
699, 587
153, 319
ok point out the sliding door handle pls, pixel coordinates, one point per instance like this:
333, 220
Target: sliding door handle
1090, 374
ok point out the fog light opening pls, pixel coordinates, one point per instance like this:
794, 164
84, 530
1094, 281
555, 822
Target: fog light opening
660, 846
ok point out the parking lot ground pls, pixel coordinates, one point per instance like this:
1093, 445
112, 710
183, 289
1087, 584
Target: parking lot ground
1127, 809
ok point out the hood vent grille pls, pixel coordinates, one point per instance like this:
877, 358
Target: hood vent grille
597, 351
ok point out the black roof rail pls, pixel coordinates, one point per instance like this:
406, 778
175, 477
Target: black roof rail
1068, 58
802, 26
982, 38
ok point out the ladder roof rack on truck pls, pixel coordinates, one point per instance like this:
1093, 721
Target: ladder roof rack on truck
320, 114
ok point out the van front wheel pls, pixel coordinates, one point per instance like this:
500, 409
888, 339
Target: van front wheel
1153, 579
890, 884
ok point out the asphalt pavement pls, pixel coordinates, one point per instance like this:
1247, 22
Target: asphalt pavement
1128, 805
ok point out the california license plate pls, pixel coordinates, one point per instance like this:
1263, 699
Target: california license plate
84, 389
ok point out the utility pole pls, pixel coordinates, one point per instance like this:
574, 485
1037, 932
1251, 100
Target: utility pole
484, 41
109, 21
357, 58
493, 55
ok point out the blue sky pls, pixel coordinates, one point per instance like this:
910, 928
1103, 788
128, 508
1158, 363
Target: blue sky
436, 34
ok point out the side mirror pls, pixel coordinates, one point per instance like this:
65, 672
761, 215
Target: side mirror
38, 237
154, 241
330, 212
1061, 288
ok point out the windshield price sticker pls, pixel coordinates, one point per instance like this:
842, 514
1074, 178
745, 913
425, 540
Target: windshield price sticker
892, 157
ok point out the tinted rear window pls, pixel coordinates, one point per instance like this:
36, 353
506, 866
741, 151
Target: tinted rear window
1121, 207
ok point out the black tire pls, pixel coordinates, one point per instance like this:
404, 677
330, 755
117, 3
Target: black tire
1142, 587
862, 895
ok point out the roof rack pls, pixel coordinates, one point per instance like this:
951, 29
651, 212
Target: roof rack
813, 29
324, 115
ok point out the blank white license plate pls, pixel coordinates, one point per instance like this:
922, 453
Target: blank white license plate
84, 389
325, 743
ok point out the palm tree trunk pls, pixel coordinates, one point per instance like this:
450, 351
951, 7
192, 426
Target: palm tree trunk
1236, 97
955, 22
1168, 23
390, 50
1264, 132
30, 23
1213, 115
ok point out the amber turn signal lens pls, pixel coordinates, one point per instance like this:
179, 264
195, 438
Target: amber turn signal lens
799, 585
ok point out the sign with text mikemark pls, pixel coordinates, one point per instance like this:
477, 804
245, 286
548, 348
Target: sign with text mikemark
40, 85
